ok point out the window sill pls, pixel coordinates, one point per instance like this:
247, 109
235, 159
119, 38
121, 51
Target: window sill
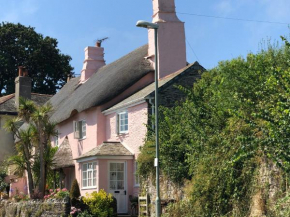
123, 133
82, 139
88, 188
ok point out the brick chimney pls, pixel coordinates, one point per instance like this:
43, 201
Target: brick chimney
171, 38
94, 60
22, 85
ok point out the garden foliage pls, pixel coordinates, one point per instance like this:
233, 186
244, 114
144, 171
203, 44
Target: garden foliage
100, 204
237, 114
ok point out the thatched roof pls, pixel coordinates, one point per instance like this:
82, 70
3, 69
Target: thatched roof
7, 103
149, 90
108, 82
63, 157
107, 149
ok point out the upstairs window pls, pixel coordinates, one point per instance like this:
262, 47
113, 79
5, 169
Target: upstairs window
56, 138
80, 128
122, 122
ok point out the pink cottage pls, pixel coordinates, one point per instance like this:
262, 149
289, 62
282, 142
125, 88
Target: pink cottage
101, 116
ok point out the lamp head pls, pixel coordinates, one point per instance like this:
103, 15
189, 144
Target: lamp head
147, 25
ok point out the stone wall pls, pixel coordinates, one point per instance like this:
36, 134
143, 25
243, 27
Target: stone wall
34, 208
169, 192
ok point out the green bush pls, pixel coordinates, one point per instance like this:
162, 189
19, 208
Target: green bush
181, 208
75, 190
100, 203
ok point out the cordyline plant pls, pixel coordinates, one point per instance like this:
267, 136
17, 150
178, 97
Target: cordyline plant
32, 131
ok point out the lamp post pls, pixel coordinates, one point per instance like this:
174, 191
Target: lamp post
148, 25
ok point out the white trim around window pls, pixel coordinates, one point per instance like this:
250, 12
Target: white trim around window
80, 129
56, 139
122, 122
89, 175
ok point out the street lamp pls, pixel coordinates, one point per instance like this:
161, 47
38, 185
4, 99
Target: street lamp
148, 25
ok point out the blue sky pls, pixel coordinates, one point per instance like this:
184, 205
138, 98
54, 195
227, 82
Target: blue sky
77, 24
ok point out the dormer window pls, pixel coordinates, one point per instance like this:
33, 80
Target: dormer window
80, 128
122, 122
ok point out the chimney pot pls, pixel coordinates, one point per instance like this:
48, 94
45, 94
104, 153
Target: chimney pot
98, 44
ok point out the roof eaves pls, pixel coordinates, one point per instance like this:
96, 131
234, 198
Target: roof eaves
177, 77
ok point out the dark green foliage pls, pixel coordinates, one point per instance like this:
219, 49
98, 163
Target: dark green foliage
75, 192
22, 46
3, 184
236, 115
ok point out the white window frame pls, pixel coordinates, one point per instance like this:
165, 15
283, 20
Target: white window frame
56, 139
136, 176
85, 175
119, 121
80, 129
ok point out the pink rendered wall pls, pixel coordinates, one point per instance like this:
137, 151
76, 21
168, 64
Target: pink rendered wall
65, 128
137, 118
79, 147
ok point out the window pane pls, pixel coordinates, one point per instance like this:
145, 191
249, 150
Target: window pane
84, 128
90, 166
120, 185
94, 182
120, 176
136, 179
84, 183
113, 176
84, 175
112, 166
120, 167
85, 167
113, 185
94, 174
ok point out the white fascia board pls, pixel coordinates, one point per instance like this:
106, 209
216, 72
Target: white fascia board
126, 106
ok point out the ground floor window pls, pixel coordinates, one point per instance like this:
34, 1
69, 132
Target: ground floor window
89, 175
136, 176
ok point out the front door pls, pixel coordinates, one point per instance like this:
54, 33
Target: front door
118, 184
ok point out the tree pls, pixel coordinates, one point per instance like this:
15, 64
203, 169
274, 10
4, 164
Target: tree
33, 142
22, 46
234, 123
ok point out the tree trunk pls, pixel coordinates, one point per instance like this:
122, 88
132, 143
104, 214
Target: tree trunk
28, 168
41, 162
30, 180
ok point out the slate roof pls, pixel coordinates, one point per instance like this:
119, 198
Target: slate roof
108, 82
63, 157
7, 103
107, 149
149, 90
